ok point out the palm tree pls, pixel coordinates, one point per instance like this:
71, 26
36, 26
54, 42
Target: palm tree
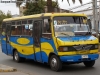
49, 3
74, 1
19, 2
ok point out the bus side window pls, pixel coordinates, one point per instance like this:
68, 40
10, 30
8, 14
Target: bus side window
30, 23
13, 28
13, 32
46, 28
8, 28
19, 28
27, 27
3, 29
30, 29
16, 28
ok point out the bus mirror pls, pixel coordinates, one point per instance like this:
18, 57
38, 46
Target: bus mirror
89, 23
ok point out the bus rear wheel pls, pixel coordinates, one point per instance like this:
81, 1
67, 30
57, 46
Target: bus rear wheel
16, 57
89, 63
55, 63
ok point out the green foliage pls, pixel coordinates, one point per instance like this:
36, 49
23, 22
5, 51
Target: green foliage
3, 16
33, 8
36, 8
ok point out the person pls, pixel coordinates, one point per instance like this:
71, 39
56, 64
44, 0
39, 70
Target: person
3, 32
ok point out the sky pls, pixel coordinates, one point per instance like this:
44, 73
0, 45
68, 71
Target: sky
5, 7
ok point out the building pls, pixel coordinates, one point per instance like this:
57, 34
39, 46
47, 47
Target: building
21, 10
89, 13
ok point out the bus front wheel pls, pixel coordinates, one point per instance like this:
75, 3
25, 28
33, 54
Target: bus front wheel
89, 63
55, 63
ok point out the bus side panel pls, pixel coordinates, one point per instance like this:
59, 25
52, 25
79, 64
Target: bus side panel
3, 44
24, 46
6, 47
47, 47
9, 49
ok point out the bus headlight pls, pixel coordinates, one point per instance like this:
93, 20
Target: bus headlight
96, 46
63, 49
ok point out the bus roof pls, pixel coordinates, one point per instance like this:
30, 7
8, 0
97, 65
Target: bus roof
44, 14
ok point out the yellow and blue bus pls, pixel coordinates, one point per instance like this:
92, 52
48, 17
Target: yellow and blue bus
52, 38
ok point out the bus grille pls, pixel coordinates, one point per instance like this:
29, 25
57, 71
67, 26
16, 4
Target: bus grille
82, 47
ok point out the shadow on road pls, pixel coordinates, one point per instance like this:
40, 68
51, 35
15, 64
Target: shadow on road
73, 67
68, 68
76, 67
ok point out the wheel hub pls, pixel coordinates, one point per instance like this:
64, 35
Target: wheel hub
54, 62
16, 56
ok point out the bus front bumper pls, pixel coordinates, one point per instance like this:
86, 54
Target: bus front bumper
79, 58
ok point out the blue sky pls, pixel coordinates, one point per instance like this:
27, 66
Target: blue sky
14, 10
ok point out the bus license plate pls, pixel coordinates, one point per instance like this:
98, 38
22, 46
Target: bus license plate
83, 52
84, 56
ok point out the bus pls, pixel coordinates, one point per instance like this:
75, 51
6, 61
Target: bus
51, 38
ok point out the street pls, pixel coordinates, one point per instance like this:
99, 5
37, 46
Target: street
34, 68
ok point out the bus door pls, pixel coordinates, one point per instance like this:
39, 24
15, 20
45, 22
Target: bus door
36, 39
3, 37
8, 47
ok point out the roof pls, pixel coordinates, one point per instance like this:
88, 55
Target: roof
45, 14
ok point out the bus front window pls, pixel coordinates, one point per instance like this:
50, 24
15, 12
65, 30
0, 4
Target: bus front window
70, 26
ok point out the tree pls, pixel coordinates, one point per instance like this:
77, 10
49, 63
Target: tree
49, 3
3, 16
37, 7
33, 8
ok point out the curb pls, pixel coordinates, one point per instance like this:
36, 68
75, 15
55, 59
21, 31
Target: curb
4, 68
8, 70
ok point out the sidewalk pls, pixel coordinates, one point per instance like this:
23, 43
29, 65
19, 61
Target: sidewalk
13, 73
7, 70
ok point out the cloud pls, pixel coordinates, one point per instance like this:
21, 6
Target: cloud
9, 6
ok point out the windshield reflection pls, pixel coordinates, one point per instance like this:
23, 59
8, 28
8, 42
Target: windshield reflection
70, 29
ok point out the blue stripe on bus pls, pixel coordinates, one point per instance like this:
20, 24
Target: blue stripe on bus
77, 38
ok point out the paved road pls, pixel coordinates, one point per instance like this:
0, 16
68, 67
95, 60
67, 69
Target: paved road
41, 69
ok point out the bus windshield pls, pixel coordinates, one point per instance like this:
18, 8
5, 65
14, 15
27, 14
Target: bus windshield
70, 26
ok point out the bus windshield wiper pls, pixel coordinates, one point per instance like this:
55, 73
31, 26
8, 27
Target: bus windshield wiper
64, 34
67, 35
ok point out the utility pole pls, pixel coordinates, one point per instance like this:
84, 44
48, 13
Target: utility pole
95, 16
99, 16
93, 4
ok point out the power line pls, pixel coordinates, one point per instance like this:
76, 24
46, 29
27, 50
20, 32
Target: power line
81, 5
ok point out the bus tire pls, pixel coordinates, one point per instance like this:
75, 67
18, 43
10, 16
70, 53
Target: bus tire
55, 63
89, 63
16, 56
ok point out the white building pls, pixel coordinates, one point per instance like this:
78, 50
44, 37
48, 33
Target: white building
89, 13
87, 9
